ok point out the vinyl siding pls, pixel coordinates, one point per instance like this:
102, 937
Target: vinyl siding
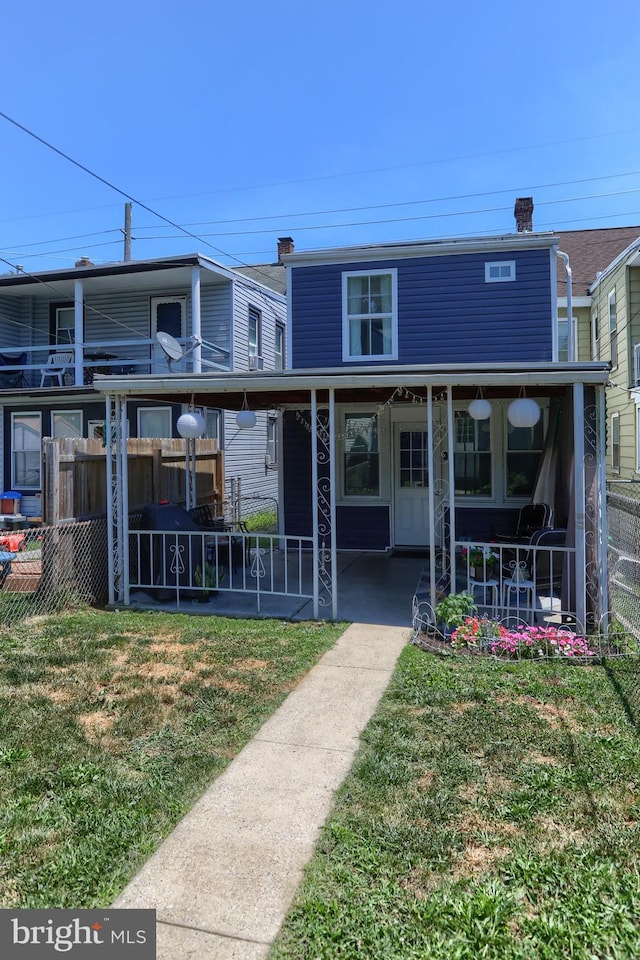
272, 311
446, 310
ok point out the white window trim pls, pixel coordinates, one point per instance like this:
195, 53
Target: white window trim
143, 410
254, 350
65, 413
496, 454
14, 483
346, 339
499, 263
96, 430
615, 417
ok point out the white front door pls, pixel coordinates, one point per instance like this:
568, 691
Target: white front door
411, 485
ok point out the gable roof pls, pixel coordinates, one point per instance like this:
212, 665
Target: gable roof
590, 252
272, 275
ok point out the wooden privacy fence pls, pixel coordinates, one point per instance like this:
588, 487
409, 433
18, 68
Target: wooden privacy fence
75, 485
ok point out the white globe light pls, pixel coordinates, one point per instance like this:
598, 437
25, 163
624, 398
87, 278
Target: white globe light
246, 419
523, 412
480, 409
191, 425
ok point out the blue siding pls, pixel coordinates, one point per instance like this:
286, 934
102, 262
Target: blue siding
363, 528
446, 311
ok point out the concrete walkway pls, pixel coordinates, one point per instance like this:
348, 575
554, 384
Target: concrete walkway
224, 880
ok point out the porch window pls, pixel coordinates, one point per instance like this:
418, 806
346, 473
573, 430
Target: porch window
154, 422
26, 447
64, 324
524, 449
472, 458
564, 331
369, 311
361, 456
212, 420
66, 423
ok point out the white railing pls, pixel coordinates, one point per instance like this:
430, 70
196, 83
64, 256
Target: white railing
522, 580
186, 565
22, 366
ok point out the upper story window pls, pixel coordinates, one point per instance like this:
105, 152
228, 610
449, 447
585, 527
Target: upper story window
499, 271
613, 329
564, 331
615, 442
370, 315
595, 337
255, 333
279, 348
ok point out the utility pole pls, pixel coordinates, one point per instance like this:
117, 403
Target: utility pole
127, 231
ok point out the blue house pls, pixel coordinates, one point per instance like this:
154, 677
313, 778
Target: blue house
424, 408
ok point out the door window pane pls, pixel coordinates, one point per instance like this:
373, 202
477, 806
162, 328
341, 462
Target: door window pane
413, 458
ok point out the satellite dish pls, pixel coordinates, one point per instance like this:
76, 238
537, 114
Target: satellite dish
170, 347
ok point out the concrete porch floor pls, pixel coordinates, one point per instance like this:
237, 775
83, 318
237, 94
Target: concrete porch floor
372, 588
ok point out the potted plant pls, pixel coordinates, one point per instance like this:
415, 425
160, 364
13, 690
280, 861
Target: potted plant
482, 561
209, 579
453, 610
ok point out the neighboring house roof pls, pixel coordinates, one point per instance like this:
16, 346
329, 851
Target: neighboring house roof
272, 275
590, 252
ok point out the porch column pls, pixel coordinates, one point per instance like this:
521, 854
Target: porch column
78, 333
452, 489
579, 503
332, 503
196, 320
117, 498
601, 524
314, 506
323, 507
431, 500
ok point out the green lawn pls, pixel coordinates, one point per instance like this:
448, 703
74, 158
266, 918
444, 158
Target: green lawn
493, 812
112, 724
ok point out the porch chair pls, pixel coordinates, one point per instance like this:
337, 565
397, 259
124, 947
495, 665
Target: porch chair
56, 366
12, 378
531, 518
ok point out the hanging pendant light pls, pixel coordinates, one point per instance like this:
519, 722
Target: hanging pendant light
523, 412
191, 425
479, 409
245, 418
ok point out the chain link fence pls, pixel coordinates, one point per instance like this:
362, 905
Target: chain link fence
47, 569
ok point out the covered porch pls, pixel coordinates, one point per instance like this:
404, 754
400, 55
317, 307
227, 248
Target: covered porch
565, 578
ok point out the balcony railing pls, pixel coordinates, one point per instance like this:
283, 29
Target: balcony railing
22, 367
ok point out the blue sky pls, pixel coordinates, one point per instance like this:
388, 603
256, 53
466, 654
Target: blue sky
334, 122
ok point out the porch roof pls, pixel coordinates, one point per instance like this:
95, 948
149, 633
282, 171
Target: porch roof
268, 389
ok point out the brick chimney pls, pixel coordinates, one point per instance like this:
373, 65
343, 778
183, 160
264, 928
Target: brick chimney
84, 262
285, 245
523, 212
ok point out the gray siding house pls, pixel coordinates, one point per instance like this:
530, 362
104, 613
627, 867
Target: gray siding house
58, 329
